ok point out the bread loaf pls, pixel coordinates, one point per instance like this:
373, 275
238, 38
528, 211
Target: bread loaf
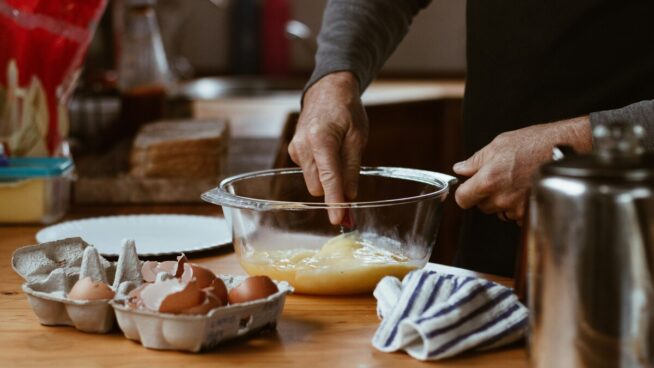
180, 149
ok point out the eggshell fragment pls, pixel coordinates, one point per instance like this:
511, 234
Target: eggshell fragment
218, 290
203, 276
134, 297
171, 296
210, 302
150, 269
252, 288
87, 289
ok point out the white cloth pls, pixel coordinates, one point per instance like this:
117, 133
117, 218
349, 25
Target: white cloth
432, 315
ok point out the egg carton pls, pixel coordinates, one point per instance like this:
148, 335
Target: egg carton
50, 271
193, 333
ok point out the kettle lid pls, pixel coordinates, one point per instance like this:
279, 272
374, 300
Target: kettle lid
618, 153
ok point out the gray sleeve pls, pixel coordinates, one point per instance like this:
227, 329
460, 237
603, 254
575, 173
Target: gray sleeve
638, 113
359, 35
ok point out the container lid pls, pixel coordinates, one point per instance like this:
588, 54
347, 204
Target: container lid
618, 154
32, 167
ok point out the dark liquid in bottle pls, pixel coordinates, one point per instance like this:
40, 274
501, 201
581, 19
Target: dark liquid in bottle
140, 105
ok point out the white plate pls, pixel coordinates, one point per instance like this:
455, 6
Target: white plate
154, 234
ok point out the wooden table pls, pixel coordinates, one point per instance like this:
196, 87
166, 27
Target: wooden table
313, 331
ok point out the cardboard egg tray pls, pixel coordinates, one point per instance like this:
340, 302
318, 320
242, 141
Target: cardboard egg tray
50, 271
193, 333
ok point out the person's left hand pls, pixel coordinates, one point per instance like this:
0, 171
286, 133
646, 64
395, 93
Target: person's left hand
501, 172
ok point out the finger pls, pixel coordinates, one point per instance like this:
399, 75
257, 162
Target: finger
351, 153
294, 153
489, 206
312, 179
470, 193
303, 157
517, 211
325, 145
470, 166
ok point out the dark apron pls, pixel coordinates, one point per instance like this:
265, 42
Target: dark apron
537, 61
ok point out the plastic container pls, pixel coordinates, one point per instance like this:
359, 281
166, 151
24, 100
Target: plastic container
35, 190
281, 231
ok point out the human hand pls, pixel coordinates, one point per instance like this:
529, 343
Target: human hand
501, 172
329, 139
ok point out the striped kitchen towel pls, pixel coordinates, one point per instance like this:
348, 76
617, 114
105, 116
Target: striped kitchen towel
433, 315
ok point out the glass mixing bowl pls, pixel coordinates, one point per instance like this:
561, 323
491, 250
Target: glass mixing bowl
281, 231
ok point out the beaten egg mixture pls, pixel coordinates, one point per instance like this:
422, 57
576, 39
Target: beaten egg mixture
345, 264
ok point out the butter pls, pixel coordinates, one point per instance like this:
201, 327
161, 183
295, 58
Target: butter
22, 201
343, 265
35, 189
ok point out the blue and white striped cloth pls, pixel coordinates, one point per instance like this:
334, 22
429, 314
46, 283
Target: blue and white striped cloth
433, 315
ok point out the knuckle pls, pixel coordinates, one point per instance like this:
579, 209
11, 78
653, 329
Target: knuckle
486, 185
292, 151
503, 137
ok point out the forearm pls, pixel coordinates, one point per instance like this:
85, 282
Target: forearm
359, 35
638, 113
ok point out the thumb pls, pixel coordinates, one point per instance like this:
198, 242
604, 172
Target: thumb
468, 167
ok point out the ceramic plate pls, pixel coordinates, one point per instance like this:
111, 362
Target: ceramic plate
154, 234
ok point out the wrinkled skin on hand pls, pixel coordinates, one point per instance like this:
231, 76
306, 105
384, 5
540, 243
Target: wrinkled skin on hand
501, 173
331, 134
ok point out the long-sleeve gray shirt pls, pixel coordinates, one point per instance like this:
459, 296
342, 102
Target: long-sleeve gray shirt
528, 62
360, 35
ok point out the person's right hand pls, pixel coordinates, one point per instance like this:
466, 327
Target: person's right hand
329, 139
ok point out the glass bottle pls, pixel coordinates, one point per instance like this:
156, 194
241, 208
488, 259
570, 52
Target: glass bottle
143, 72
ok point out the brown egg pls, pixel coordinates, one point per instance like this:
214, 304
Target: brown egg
203, 276
252, 288
87, 289
210, 302
218, 290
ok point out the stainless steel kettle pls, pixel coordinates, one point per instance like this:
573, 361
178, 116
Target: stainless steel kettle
590, 247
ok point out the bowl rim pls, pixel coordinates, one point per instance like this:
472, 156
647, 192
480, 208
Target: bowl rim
220, 196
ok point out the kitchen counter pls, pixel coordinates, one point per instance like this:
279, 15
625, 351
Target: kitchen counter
266, 115
313, 331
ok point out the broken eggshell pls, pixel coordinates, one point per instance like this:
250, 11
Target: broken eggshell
171, 296
219, 290
166, 331
203, 276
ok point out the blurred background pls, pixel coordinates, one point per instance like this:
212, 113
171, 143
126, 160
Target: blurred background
203, 33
